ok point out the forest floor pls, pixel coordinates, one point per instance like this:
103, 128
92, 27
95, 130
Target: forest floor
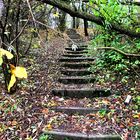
27, 113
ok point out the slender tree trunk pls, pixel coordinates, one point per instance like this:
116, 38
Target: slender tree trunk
74, 23
86, 27
62, 21
17, 30
77, 22
5, 22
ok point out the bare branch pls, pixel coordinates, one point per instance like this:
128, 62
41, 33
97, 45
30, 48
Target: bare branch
118, 51
19, 32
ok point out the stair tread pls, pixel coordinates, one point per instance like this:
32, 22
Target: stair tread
65, 59
72, 55
79, 47
77, 58
74, 70
61, 135
76, 77
80, 89
76, 52
75, 110
77, 63
82, 92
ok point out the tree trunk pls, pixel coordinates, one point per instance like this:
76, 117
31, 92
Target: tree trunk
74, 23
85, 27
62, 21
77, 22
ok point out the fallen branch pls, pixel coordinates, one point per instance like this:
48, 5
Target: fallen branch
118, 51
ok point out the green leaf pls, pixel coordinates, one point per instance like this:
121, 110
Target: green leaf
102, 112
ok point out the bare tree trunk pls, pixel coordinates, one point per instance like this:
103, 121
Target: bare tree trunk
62, 21
74, 23
85, 27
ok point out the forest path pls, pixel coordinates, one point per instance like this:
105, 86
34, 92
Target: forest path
76, 78
61, 97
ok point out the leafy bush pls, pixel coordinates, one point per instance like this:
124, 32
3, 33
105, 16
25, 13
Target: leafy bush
110, 60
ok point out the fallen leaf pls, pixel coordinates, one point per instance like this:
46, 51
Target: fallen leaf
19, 72
14, 123
45, 111
106, 102
136, 116
49, 127
91, 115
12, 82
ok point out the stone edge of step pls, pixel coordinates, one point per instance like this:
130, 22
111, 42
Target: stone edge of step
76, 110
79, 136
80, 93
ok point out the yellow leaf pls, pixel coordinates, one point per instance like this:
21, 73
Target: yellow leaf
136, 116
56, 14
19, 72
12, 81
1, 60
7, 53
49, 127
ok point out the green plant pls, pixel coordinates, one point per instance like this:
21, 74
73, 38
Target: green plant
137, 100
102, 112
136, 128
44, 137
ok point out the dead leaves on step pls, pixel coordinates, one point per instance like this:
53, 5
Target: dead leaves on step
114, 117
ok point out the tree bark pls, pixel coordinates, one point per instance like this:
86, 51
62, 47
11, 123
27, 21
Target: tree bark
62, 21
73, 23
90, 17
86, 27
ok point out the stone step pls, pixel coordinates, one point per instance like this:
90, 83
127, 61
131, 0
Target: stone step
77, 40
76, 80
81, 93
76, 65
76, 110
74, 36
78, 49
76, 52
71, 32
76, 72
72, 55
62, 135
79, 44
76, 59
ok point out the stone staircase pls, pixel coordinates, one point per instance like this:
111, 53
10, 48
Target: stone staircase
74, 70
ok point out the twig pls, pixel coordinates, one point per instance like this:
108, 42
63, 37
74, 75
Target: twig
54, 30
36, 21
119, 51
19, 32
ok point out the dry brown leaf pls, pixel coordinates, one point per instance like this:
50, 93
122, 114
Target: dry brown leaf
45, 111
14, 123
